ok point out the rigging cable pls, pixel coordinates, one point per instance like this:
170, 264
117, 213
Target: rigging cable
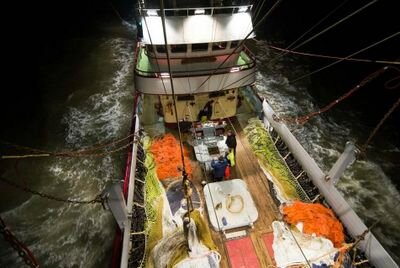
240, 44
332, 57
304, 119
172, 82
258, 10
334, 25
151, 43
309, 30
23, 250
69, 154
347, 57
80, 152
185, 181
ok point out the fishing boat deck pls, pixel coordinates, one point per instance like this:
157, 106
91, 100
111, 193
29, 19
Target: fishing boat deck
248, 170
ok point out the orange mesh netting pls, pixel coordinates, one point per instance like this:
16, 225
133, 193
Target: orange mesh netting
167, 155
316, 219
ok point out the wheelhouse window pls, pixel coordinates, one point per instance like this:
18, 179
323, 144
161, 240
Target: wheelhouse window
234, 44
160, 48
219, 46
179, 48
199, 47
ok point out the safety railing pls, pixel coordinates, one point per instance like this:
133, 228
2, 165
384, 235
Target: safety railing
169, 12
245, 56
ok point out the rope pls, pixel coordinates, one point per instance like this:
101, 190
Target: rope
23, 251
258, 10
80, 153
304, 119
116, 12
187, 191
298, 245
349, 56
89, 149
229, 200
333, 57
97, 199
172, 82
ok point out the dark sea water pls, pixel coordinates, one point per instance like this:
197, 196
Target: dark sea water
70, 81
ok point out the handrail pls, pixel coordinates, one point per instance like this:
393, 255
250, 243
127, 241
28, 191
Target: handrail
185, 73
207, 10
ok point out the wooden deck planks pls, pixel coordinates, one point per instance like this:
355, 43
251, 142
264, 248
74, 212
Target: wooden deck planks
248, 169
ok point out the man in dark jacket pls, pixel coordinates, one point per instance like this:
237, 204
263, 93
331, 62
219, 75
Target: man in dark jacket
219, 167
231, 141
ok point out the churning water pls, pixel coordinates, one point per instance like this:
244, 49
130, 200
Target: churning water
96, 106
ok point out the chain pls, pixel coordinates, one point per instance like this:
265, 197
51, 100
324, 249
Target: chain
24, 253
91, 151
98, 199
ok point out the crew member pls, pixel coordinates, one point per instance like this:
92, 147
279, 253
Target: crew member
231, 141
219, 165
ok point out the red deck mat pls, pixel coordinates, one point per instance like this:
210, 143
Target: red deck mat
241, 253
268, 240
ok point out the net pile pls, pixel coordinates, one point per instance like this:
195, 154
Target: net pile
167, 156
316, 219
271, 161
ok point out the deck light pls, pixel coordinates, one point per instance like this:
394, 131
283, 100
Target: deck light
152, 12
242, 9
235, 69
199, 11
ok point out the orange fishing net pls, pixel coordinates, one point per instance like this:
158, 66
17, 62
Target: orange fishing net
167, 155
316, 219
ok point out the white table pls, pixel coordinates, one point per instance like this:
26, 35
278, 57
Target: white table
242, 211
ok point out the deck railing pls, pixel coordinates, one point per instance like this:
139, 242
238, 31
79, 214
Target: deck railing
169, 12
245, 55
